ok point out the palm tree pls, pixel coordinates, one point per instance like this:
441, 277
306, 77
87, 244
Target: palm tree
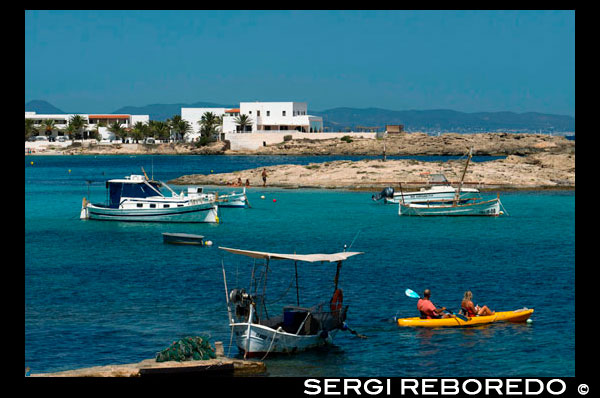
174, 125
118, 131
48, 126
242, 121
184, 128
209, 125
139, 131
79, 124
70, 131
29, 129
159, 129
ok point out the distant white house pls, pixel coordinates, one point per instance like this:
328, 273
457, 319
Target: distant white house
61, 122
194, 115
264, 117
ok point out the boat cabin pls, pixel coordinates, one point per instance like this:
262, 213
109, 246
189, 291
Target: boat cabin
134, 186
438, 179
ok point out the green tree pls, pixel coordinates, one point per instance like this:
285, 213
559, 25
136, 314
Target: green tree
29, 129
79, 125
48, 127
209, 127
119, 132
139, 131
159, 129
70, 131
242, 121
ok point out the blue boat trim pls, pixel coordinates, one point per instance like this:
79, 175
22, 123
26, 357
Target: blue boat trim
150, 215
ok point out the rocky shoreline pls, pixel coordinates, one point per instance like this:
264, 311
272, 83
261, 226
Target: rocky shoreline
532, 161
538, 171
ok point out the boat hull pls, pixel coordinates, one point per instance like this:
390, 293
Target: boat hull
487, 208
198, 213
263, 340
424, 196
183, 239
234, 200
508, 316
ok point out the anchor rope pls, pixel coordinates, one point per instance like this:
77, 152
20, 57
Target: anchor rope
271, 345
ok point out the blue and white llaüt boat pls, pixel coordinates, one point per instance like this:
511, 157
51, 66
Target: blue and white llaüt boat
457, 206
473, 208
136, 198
439, 191
233, 199
259, 331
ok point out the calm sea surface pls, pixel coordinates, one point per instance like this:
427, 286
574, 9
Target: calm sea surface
100, 293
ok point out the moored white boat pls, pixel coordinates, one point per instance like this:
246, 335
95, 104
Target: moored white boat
233, 199
455, 206
295, 328
481, 208
440, 191
136, 198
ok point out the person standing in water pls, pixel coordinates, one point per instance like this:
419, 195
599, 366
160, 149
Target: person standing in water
264, 177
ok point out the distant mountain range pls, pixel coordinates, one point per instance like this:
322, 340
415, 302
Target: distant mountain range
338, 119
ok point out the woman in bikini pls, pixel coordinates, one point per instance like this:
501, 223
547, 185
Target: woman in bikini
468, 309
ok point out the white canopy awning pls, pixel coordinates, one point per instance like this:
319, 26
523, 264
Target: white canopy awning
311, 258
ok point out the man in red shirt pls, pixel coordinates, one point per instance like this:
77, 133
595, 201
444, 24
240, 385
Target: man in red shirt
428, 310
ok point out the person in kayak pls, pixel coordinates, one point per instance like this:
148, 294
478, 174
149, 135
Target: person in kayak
428, 310
467, 308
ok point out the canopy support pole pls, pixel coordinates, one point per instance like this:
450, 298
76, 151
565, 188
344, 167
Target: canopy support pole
337, 274
297, 293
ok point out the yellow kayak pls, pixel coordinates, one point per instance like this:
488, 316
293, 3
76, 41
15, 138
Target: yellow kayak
511, 316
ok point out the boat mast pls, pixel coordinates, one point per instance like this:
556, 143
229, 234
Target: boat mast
231, 320
463, 177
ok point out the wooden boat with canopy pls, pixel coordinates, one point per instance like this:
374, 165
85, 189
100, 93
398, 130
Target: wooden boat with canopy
258, 332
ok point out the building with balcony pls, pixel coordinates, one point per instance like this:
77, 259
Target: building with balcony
93, 122
264, 117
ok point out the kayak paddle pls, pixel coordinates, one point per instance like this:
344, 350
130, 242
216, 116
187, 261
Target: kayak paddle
413, 294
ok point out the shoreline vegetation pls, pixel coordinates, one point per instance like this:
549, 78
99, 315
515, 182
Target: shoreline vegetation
532, 161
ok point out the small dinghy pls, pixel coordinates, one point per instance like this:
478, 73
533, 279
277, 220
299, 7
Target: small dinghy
183, 239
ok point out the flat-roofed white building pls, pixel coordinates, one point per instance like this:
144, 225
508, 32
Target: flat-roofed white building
92, 121
264, 117
276, 116
194, 115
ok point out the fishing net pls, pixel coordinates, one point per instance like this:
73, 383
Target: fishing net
187, 349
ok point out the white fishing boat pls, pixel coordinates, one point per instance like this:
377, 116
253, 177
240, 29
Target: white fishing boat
474, 208
440, 190
233, 199
294, 328
136, 198
457, 206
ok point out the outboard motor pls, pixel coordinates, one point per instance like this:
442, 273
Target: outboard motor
242, 301
387, 192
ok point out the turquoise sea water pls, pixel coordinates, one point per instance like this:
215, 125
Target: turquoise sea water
98, 293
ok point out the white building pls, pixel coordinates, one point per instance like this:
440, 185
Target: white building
61, 122
194, 115
277, 116
264, 117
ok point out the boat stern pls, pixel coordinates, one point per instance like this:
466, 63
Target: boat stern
84, 214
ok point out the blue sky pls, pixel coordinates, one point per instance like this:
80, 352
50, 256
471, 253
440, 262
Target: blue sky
470, 61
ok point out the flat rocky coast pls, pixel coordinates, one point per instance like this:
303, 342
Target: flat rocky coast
532, 162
